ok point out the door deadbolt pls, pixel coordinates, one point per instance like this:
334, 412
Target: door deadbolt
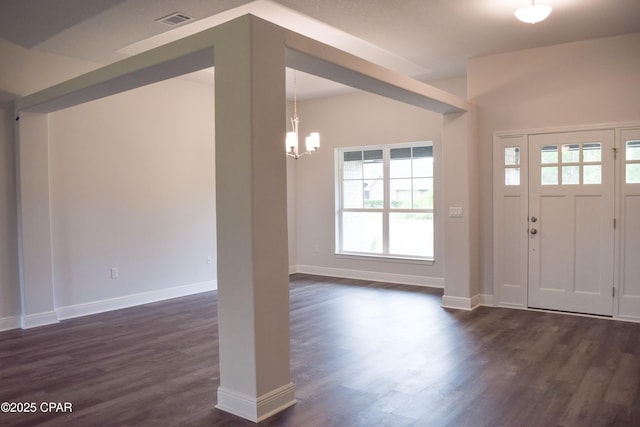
534, 219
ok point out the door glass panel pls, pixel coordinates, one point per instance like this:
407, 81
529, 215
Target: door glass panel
592, 152
570, 175
633, 150
512, 176
549, 154
633, 173
512, 156
570, 153
549, 175
592, 174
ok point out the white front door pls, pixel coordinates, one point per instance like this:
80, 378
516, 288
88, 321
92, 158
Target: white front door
571, 221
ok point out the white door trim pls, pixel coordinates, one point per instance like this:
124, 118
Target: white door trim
506, 293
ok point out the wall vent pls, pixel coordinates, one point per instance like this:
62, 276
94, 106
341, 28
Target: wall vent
174, 19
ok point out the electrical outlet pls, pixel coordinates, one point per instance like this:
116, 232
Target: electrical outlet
114, 273
209, 259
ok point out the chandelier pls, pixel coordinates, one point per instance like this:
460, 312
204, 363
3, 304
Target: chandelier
312, 142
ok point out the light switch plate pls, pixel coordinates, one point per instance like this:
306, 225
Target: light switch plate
455, 212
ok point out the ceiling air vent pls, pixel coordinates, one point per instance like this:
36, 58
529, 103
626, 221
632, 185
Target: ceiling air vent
174, 19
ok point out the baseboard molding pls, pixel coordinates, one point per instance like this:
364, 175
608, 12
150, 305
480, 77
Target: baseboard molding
102, 306
39, 319
8, 323
256, 409
403, 279
485, 300
458, 303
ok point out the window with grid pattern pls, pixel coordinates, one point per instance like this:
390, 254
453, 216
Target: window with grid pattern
385, 201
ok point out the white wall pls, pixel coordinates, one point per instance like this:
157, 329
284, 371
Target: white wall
9, 281
354, 119
131, 182
132, 185
21, 72
582, 83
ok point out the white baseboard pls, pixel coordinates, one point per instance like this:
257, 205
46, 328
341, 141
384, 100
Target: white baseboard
101, 306
458, 303
403, 279
256, 409
461, 303
39, 319
8, 323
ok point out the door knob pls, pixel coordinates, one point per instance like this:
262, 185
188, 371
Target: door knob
533, 231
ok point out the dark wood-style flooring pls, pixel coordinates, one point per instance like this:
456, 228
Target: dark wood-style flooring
362, 354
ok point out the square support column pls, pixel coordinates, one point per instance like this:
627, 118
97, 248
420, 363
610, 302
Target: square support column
36, 253
251, 185
461, 232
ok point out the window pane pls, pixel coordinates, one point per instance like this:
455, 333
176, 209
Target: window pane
423, 193
512, 176
633, 150
570, 153
423, 167
352, 165
351, 156
400, 168
400, 153
374, 194
592, 174
633, 173
592, 152
400, 193
570, 175
411, 234
549, 154
362, 232
549, 175
372, 155
426, 151
373, 169
352, 193
512, 156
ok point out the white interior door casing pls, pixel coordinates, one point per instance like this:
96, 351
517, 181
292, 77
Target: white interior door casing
571, 221
629, 224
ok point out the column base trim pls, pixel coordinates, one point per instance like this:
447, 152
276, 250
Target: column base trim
39, 319
256, 409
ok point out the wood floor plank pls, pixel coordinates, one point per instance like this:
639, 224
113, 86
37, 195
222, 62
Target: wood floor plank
362, 354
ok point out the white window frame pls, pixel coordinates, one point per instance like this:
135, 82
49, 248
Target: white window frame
386, 210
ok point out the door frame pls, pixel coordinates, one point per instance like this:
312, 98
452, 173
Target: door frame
510, 217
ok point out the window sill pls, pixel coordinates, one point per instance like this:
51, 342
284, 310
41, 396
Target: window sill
386, 258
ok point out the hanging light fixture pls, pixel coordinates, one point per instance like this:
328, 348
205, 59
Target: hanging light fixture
312, 142
534, 13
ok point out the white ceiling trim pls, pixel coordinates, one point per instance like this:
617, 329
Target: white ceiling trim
294, 21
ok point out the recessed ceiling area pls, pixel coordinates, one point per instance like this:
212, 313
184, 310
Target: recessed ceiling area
425, 39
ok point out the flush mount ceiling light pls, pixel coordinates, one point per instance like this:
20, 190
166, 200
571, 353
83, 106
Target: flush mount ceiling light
534, 13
